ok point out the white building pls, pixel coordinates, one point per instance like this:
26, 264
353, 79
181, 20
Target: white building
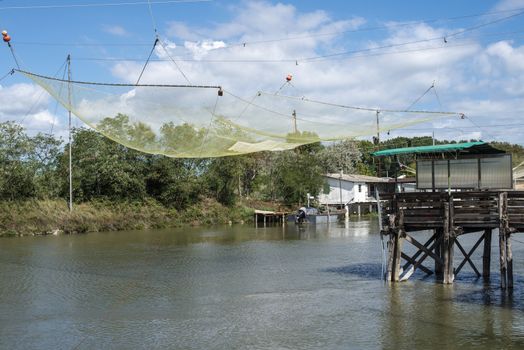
348, 189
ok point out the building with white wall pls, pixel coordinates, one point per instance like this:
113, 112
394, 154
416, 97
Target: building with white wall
345, 189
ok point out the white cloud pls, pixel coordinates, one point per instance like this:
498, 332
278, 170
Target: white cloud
115, 30
484, 81
509, 5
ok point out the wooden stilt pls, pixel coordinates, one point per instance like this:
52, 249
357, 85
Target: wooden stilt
503, 197
438, 252
397, 247
447, 247
509, 260
390, 245
486, 256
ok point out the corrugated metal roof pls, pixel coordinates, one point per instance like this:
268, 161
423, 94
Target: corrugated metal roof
466, 147
359, 178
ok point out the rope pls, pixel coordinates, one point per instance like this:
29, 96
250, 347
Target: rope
13, 54
152, 16
118, 84
147, 61
39, 97
11, 72
174, 62
364, 108
59, 93
420, 97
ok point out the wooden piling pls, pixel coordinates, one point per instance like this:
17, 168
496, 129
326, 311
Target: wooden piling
391, 241
486, 255
503, 197
397, 247
509, 261
438, 251
447, 247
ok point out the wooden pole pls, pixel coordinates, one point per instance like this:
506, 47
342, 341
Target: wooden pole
397, 250
438, 251
486, 256
447, 247
509, 260
390, 245
502, 239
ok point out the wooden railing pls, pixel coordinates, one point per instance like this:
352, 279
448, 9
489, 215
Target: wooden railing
469, 210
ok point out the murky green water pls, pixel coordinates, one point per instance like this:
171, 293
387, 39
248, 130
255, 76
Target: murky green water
241, 288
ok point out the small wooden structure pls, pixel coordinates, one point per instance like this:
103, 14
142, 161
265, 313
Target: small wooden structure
449, 215
269, 217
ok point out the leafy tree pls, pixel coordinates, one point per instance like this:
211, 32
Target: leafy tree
17, 168
103, 168
340, 156
173, 182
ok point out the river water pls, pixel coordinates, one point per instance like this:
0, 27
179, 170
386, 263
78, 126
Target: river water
243, 288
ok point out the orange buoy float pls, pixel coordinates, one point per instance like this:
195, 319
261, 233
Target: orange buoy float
6, 36
289, 78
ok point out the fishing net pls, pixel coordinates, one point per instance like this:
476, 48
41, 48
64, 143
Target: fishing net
208, 121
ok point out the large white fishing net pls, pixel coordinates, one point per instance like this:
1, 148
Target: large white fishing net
208, 121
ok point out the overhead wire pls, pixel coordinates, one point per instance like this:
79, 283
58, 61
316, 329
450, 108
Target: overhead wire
107, 4
228, 46
287, 60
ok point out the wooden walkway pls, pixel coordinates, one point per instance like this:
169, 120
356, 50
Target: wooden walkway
449, 216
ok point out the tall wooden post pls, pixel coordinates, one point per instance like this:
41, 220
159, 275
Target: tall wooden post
447, 246
397, 247
509, 260
486, 256
502, 239
438, 252
392, 230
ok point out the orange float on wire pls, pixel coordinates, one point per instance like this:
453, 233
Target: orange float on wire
6, 37
289, 78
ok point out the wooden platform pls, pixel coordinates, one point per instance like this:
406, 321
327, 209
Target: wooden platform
449, 216
269, 217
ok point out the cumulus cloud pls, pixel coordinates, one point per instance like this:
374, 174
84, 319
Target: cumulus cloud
115, 30
482, 80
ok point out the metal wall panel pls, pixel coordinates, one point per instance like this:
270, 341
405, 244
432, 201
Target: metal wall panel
464, 173
496, 173
424, 177
441, 174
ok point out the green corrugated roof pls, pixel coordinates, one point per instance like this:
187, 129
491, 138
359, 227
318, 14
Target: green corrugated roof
452, 147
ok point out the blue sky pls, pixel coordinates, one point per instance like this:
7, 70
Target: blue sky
479, 73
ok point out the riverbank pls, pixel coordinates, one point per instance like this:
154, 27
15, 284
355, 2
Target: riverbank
44, 217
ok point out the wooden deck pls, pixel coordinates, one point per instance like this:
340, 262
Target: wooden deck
449, 216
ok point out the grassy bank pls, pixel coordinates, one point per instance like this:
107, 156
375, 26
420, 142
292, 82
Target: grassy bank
40, 217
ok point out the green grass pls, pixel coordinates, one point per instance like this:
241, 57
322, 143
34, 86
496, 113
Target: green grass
40, 217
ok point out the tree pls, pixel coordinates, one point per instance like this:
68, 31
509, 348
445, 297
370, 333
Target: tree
340, 156
173, 182
17, 168
103, 168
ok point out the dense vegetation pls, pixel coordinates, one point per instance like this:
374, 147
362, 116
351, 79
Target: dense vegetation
111, 181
